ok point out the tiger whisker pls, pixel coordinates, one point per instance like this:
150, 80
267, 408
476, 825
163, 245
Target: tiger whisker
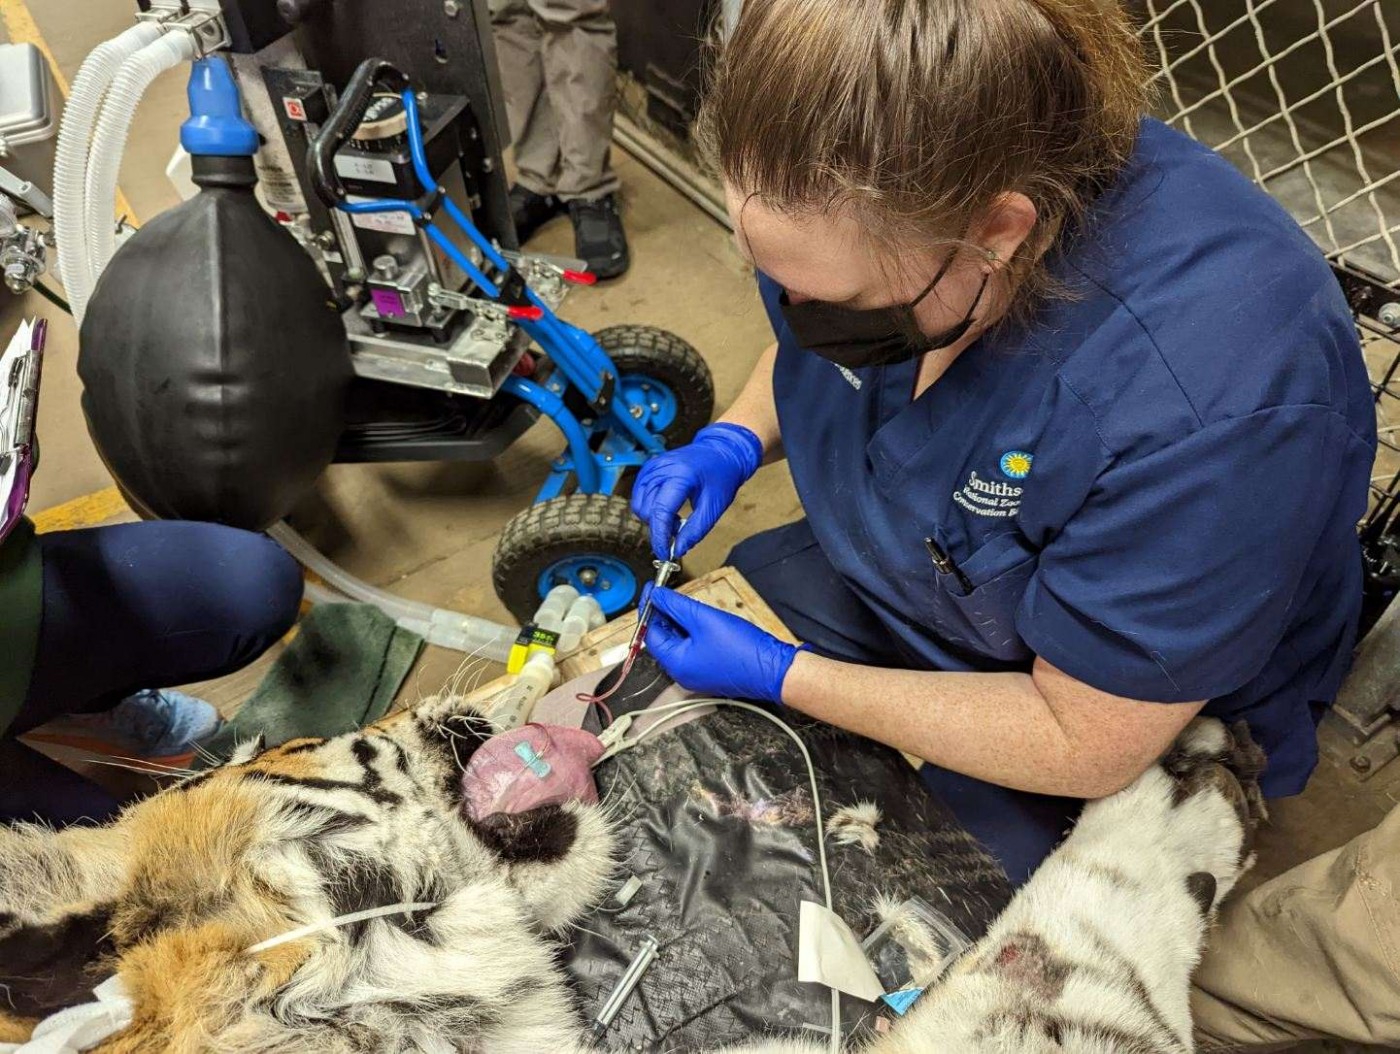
135, 765
152, 763
468, 664
207, 754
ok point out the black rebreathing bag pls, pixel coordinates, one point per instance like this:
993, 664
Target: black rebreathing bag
214, 364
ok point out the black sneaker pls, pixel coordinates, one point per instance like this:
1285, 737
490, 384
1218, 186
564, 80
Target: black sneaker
599, 239
531, 211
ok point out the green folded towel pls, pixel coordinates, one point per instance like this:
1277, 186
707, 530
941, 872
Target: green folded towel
340, 673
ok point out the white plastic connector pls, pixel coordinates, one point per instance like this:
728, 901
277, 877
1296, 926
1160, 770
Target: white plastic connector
513, 707
584, 614
550, 614
202, 19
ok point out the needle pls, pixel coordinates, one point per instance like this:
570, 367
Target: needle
665, 571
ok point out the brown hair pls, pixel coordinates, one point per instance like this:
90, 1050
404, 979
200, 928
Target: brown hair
918, 114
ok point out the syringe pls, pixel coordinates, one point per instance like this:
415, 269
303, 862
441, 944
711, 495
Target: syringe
665, 571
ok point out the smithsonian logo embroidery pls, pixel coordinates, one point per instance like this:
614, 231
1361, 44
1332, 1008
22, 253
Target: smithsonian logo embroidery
994, 498
1016, 464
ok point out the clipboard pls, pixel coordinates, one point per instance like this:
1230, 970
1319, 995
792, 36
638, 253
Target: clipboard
21, 367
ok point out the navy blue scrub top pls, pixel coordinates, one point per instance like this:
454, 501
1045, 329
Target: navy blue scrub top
1152, 485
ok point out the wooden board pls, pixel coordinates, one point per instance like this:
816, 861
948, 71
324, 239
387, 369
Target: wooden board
724, 588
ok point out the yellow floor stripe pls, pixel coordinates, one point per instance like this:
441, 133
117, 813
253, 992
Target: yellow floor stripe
21, 28
101, 506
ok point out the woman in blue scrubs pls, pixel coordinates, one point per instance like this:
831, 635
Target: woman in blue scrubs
1077, 415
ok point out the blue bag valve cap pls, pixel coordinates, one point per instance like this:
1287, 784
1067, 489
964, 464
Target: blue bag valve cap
216, 125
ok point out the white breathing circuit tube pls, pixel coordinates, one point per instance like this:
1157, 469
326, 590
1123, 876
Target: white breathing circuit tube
71, 162
109, 137
616, 744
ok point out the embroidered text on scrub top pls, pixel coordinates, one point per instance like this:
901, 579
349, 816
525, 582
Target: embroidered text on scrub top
996, 499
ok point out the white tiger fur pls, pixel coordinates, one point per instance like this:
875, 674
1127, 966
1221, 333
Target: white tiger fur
1093, 955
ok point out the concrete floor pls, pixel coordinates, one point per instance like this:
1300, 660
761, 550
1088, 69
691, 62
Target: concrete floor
428, 530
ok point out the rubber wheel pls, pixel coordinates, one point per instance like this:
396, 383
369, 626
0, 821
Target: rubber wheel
591, 541
646, 353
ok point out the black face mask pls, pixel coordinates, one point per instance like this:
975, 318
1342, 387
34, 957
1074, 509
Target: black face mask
880, 336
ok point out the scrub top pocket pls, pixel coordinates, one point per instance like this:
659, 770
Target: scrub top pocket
982, 620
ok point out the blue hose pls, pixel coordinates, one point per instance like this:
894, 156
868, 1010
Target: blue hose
576, 354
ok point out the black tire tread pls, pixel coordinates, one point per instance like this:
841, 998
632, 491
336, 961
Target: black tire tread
551, 530
672, 360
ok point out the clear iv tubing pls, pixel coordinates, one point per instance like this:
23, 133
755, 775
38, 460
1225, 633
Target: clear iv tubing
675, 710
599, 699
447, 629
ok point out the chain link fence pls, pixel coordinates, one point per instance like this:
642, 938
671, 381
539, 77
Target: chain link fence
1304, 97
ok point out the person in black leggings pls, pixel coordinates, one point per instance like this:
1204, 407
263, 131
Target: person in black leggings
96, 624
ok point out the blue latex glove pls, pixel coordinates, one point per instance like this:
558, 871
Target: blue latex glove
708, 650
707, 473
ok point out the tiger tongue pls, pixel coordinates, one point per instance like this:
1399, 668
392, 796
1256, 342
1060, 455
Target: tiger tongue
530, 767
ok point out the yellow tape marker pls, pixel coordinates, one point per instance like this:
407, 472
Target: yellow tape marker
91, 510
21, 28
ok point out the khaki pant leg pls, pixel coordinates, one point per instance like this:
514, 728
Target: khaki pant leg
579, 52
1312, 953
533, 128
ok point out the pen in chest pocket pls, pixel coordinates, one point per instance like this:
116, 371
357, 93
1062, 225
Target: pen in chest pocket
944, 565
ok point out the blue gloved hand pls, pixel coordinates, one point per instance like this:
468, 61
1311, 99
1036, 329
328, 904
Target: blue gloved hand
708, 650
707, 473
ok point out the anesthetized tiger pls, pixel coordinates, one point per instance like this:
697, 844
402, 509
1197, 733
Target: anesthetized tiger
179, 894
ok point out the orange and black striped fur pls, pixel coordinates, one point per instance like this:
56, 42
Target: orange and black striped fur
1093, 955
177, 890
